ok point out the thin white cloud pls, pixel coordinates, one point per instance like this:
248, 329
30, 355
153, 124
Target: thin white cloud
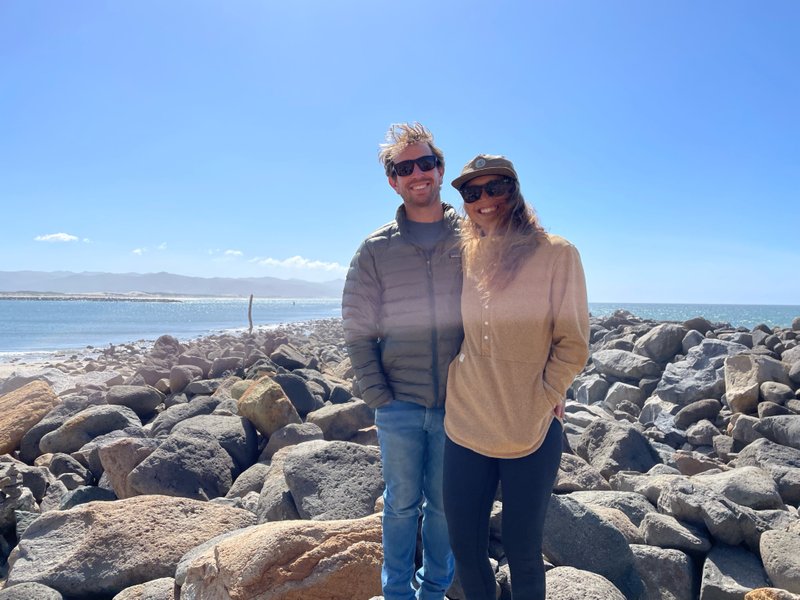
139, 251
87, 241
298, 262
162, 246
233, 253
56, 237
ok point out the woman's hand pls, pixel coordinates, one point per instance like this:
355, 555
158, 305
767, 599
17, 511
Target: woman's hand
558, 411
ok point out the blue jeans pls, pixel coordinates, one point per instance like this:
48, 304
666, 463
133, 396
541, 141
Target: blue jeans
412, 454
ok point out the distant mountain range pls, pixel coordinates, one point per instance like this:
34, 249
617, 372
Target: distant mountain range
66, 282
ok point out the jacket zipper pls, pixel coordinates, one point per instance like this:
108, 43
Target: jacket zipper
434, 333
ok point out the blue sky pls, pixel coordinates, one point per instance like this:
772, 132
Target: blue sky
240, 138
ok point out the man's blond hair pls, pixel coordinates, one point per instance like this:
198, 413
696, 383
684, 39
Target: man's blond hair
399, 137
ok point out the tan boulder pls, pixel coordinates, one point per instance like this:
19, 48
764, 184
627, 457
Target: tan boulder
22, 409
101, 548
267, 407
290, 560
744, 374
770, 594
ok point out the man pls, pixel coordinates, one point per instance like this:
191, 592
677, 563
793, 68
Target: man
402, 324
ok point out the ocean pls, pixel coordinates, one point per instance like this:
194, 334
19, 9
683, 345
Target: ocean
29, 329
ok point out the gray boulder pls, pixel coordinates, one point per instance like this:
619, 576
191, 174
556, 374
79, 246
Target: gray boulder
784, 429
575, 474
625, 365
747, 486
290, 435
729, 573
275, 502
743, 428
701, 433
667, 574
772, 391
569, 583
289, 357
296, 389
782, 463
191, 464
86, 425
633, 505
141, 399
701, 409
158, 589
590, 389
342, 421
622, 392
30, 591
120, 457
164, 422
251, 480
661, 343
333, 480
780, 552
612, 446
235, 434
690, 340
699, 375
572, 535
666, 531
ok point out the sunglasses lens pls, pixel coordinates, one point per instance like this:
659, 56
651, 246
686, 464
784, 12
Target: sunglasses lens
426, 163
406, 167
499, 187
471, 193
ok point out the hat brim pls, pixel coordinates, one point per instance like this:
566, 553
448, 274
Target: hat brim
462, 179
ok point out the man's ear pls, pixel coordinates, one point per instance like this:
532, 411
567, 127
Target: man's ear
393, 182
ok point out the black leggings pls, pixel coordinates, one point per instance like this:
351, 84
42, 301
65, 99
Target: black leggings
470, 483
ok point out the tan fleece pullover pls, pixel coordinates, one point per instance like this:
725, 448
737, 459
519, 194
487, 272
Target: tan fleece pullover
522, 348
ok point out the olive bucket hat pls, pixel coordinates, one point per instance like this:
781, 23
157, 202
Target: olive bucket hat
485, 164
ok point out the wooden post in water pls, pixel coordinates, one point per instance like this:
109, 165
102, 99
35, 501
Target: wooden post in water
250, 314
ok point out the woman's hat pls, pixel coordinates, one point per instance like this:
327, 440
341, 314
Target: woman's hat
485, 164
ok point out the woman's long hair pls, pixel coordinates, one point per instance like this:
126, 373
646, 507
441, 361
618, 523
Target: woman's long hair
493, 259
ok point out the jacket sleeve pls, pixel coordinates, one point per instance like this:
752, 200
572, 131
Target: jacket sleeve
361, 302
570, 347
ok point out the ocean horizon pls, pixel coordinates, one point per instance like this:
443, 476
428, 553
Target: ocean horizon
31, 329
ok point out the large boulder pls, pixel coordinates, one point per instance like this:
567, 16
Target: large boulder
267, 406
569, 583
333, 480
744, 374
342, 421
120, 457
661, 343
290, 435
298, 392
612, 446
747, 486
236, 434
665, 531
783, 429
162, 425
575, 474
624, 364
782, 463
275, 501
780, 552
633, 505
162, 588
191, 464
141, 399
729, 572
86, 425
22, 409
101, 548
289, 560
699, 375
667, 574
573, 533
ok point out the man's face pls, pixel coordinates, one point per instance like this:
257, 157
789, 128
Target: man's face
420, 189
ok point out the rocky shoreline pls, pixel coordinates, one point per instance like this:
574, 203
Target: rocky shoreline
245, 466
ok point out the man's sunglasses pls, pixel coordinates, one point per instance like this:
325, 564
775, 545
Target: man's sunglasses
494, 188
406, 167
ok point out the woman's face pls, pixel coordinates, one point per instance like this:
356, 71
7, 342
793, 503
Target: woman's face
487, 212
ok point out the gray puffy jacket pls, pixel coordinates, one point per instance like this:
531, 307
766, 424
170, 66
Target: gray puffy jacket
402, 314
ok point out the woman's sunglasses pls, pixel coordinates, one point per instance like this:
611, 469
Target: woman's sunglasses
406, 167
493, 188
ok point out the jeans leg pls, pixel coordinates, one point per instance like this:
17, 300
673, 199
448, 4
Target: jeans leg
438, 565
527, 485
470, 483
402, 442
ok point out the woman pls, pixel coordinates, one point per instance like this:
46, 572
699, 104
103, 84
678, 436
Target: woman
526, 331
